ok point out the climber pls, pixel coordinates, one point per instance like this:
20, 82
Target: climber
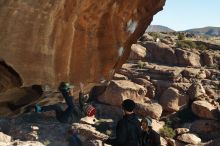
128, 130
72, 113
149, 137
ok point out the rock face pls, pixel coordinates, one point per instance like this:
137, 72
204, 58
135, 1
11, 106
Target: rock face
49, 41
189, 138
58, 37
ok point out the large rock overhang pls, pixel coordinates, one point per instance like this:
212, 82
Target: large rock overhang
48, 41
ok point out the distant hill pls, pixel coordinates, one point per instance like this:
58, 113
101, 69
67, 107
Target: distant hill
159, 28
211, 31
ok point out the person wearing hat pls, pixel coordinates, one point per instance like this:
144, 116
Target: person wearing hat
128, 129
72, 113
149, 137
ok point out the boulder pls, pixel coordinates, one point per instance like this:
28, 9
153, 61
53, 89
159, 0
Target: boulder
146, 37
207, 58
108, 112
157, 125
187, 58
154, 110
88, 132
203, 109
202, 127
163, 141
196, 90
173, 142
119, 90
160, 52
147, 85
138, 52
5, 138
180, 131
189, 138
28, 143
172, 100
119, 77
194, 73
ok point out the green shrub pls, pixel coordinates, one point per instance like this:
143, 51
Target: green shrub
202, 47
141, 64
167, 131
186, 44
155, 35
181, 36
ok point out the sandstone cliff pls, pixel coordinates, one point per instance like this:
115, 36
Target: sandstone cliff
48, 41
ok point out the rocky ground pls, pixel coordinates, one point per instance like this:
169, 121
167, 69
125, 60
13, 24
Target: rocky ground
174, 78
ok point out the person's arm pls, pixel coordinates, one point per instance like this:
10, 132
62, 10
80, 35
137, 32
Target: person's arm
121, 133
81, 95
81, 99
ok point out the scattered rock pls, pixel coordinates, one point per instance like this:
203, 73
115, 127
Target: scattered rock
147, 85
154, 110
202, 127
203, 109
160, 52
138, 52
187, 58
172, 100
189, 138
120, 90
180, 131
173, 142
5, 138
196, 90
88, 132
119, 77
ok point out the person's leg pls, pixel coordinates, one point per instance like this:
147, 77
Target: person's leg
69, 101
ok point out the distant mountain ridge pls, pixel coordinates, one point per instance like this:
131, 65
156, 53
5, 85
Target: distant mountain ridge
211, 31
159, 28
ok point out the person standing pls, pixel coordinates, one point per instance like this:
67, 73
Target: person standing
128, 129
149, 137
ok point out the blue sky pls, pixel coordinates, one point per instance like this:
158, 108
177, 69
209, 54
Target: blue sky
186, 14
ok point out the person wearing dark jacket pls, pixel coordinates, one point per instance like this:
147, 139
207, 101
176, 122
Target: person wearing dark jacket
149, 137
128, 129
72, 113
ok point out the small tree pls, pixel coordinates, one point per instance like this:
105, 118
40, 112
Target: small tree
167, 130
181, 36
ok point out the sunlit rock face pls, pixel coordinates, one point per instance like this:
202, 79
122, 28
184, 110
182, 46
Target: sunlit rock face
49, 41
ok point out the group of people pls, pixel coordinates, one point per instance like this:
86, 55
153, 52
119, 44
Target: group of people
129, 130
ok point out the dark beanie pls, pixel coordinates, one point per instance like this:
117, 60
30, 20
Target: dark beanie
128, 105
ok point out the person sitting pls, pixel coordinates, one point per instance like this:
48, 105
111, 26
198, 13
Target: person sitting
149, 137
72, 113
128, 129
